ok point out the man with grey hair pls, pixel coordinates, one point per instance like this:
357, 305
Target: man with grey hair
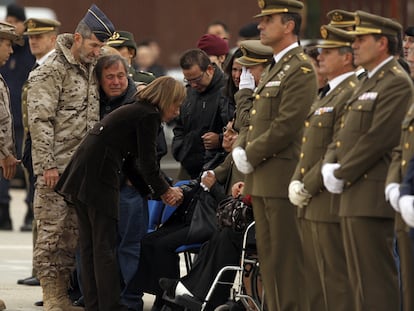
63, 104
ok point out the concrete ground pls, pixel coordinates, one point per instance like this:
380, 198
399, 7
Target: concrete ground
16, 262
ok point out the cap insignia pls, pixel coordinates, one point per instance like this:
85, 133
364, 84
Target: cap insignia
31, 24
261, 4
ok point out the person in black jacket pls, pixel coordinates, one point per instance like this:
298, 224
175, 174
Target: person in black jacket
124, 139
197, 132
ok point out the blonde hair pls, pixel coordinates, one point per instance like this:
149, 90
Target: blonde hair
163, 92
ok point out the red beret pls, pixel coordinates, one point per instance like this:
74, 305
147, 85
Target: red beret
213, 45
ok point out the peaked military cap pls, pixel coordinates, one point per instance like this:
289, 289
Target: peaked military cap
254, 53
99, 24
36, 26
270, 7
8, 31
341, 19
366, 23
122, 38
333, 37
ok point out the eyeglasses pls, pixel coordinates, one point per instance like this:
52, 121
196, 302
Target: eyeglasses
196, 80
230, 130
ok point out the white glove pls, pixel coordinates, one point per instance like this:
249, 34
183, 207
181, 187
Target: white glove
332, 184
392, 194
298, 195
246, 79
407, 209
240, 159
205, 188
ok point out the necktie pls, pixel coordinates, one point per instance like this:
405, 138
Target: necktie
324, 91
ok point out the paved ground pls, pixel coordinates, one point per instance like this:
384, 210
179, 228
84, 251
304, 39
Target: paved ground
16, 262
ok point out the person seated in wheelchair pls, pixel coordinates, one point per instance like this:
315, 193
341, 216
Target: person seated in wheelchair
223, 249
158, 256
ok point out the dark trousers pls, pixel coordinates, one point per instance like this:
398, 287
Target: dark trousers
99, 265
406, 258
158, 257
223, 249
280, 254
372, 271
327, 281
132, 226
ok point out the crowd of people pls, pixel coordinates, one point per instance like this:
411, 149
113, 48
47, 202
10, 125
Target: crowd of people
319, 138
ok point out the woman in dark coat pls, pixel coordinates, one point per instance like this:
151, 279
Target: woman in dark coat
91, 182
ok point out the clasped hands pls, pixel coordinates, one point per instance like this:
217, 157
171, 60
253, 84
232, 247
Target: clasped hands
173, 196
332, 184
298, 195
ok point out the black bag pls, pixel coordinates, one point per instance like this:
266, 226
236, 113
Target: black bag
203, 219
236, 213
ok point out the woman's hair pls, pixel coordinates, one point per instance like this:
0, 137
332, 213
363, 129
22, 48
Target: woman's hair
163, 92
230, 88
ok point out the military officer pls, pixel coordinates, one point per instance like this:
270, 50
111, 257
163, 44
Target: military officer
42, 35
63, 104
124, 42
356, 163
272, 151
328, 288
8, 160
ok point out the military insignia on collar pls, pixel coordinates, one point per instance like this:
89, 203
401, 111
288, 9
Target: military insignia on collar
281, 75
286, 67
305, 70
261, 3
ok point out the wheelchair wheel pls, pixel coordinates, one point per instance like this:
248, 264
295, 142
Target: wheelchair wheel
256, 286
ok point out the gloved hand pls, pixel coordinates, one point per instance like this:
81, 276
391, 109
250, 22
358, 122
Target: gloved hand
207, 180
298, 195
406, 204
392, 194
246, 80
240, 159
332, 184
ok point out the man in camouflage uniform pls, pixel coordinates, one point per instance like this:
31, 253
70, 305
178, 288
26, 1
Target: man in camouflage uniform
63, 104
8, 159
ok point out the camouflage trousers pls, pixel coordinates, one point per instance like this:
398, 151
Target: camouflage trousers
57, 233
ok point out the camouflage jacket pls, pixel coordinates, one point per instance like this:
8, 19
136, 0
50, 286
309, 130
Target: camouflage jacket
63, 104
6, 122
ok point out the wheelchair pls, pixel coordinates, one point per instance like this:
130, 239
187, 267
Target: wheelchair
247, 292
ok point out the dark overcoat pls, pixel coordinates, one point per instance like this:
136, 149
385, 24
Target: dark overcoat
124, 140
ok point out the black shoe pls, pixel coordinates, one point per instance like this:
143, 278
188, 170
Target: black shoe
26, 227
39, 303
169, 286
6, 224
31, 281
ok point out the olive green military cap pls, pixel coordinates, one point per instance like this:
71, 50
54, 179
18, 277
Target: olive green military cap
333, 37
366, 23
122, 38
341, 19
254, 53
37, 26
8, 31
270, 7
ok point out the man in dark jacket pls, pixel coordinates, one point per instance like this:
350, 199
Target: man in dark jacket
197, 132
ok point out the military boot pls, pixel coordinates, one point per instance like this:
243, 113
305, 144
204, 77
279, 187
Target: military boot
50, 295
64, 301
2, 305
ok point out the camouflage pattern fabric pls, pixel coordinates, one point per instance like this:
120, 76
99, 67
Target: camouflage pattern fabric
6, 122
